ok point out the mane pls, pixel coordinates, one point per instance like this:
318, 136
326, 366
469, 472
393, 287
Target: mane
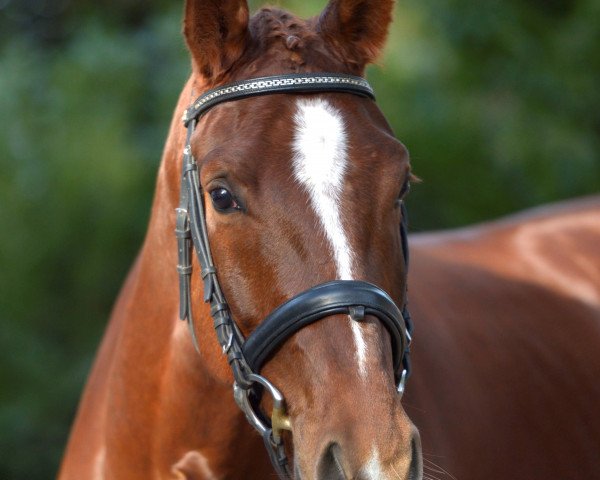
295, 42
271, 23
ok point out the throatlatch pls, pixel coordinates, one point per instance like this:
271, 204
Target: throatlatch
354, 298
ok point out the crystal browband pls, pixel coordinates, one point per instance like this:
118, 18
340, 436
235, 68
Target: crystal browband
297, 83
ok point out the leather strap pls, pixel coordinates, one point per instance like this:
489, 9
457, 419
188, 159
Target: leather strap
290, 83
350, 297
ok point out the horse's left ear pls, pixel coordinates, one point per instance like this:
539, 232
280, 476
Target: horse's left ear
216, 32
356, 27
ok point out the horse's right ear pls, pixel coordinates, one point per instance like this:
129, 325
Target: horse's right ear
216, 32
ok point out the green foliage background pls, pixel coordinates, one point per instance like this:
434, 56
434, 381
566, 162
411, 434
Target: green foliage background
498, 101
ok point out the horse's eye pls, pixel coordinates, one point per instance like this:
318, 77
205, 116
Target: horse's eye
405, 189
223, 200
403, 192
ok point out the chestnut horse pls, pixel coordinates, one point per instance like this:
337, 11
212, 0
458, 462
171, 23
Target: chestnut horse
302, 193
506, 364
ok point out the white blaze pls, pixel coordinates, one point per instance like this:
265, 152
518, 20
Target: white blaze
320, 160
372, 469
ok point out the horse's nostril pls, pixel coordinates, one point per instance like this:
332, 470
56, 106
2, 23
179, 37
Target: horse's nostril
332, 465
416, 462
329, 465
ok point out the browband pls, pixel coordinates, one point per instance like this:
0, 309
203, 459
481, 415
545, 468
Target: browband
290, 83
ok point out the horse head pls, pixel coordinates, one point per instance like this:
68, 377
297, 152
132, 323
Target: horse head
298, 190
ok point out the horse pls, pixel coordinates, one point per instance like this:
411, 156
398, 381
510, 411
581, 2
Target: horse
507, 361
291, 192
504, 383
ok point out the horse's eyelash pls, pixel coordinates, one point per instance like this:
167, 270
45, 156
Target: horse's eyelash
405, 186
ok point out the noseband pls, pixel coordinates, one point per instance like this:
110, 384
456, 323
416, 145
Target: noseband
246, 356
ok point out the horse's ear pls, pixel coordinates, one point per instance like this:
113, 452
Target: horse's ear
216, 32
357, 27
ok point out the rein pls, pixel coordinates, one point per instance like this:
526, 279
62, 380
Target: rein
246, 356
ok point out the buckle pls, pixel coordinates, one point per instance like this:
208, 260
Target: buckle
279, 418
402, 382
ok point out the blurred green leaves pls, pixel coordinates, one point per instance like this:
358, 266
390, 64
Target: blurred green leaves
497, 101
83, 124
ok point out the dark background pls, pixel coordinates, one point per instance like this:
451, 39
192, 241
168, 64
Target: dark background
497, 100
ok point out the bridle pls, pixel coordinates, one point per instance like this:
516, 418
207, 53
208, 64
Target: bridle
246, 356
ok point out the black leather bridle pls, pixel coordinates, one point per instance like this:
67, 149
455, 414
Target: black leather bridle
246, 356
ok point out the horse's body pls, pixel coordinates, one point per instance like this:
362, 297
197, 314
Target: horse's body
507, 361
154, 408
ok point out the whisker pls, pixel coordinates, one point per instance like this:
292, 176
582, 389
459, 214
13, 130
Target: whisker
433, 467
395, 471
430, 477
430, 471
408, 406
437, 468
433, 455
